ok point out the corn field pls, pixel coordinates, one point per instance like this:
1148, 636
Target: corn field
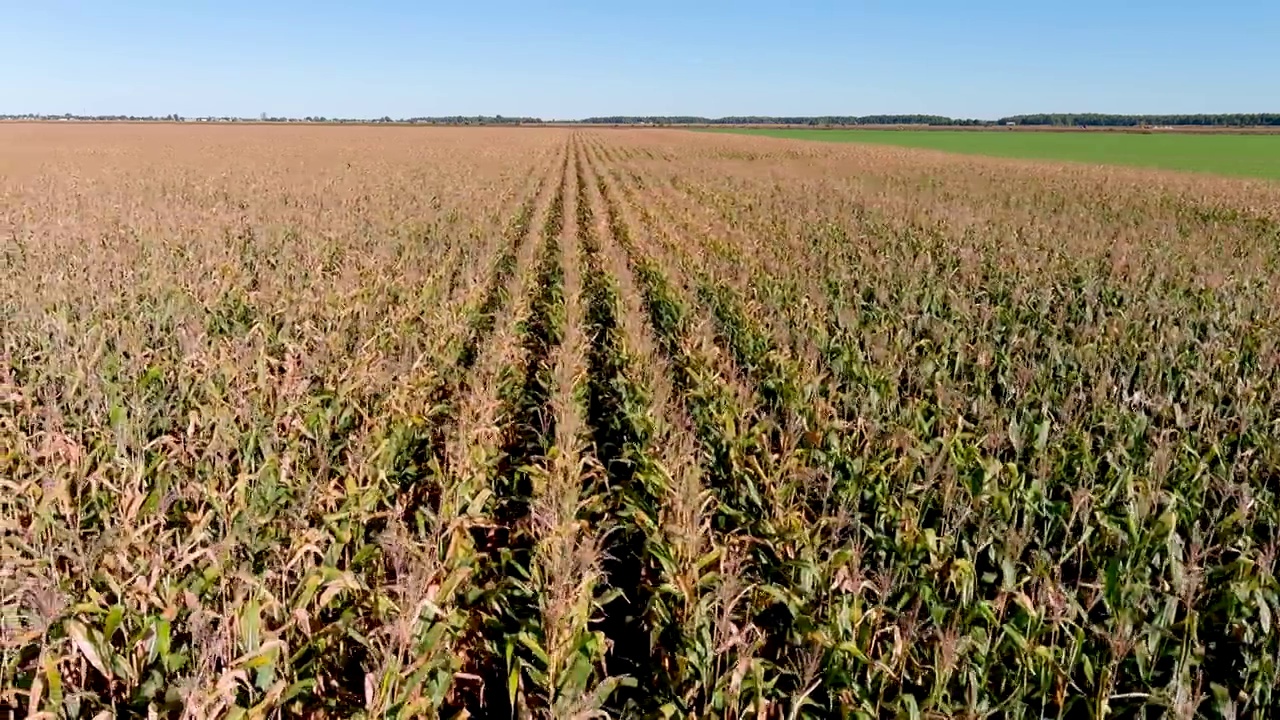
556, 423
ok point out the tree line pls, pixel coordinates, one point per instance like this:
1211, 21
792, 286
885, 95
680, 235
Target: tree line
1104, 120
441, 120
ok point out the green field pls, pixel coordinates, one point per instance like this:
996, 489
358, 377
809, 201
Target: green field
1223, 154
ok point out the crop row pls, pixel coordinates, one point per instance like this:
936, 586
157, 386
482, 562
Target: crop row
636, 424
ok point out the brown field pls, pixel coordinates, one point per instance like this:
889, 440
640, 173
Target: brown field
355, 421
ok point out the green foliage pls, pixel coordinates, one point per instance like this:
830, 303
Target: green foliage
1047, 482
1221, 154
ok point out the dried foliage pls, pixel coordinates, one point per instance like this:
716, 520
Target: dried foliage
336, 422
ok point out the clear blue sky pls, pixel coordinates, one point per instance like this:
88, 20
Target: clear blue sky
572, 59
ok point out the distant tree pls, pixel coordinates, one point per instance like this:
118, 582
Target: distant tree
1104, 120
